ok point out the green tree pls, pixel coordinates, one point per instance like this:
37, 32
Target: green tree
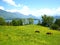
15, 22
30, 20
54, 27
39, 22
8, 23
23, 21
20, 21
47, 20
57, 22
2, 21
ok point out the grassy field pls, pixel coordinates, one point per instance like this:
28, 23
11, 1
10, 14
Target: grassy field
26, 35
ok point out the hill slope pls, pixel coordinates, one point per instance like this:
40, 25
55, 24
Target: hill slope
9, 15
21, 35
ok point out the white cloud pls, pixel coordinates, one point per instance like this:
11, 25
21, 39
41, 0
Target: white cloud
58, 10
1, 7
19, 5
12, 10
12, 2
46, 11
26, 11
43, 11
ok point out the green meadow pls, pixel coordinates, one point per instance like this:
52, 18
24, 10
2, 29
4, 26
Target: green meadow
26, 35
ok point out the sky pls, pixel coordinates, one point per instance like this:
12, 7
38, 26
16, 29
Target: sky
34, 7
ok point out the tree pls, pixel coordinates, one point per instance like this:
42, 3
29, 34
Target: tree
23, 21
47, 20
57, 22
8, 23
2, 21
30, 20
15, 22
54, 27
20, 21
39, 22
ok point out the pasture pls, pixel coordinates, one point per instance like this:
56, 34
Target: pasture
26, 35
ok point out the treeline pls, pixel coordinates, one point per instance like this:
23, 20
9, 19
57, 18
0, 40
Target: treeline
47, 21
17, 22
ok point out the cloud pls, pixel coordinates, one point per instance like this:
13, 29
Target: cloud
19, 5
58, 10
12, 2
1, 7
43, 11
47, 11
12, 10
26, 11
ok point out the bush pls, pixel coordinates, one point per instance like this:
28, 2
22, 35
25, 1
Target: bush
17, 22
14, 22
30, 20
57, 22
54, 27
39, 23
8, 23
2, 21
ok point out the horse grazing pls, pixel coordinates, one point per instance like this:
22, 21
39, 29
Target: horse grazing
49, 33
37, 31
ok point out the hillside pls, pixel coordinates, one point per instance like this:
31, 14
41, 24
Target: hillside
9, 15
21, 35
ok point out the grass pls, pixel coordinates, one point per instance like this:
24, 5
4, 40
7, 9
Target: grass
25, 35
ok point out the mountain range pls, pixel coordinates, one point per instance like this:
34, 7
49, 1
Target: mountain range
57, 17
10, 15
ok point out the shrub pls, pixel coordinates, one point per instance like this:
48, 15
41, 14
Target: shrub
57, 22
54, 27
2, 21
14, 22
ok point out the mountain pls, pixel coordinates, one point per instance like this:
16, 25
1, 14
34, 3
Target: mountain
56, 17
31, 16
9, 15
6, 15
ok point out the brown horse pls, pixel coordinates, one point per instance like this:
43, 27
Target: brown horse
37, 31
49, 33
